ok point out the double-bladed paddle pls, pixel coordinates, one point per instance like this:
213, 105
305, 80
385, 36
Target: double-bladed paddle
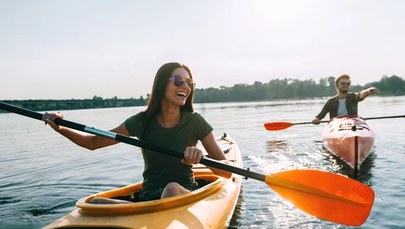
328, 196
274, 126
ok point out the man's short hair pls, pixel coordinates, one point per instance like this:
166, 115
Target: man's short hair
341, 77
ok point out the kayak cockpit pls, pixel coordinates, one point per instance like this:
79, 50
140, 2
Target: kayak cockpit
210, 206
208, 185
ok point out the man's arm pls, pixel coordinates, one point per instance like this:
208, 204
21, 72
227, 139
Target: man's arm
326, 109
366, 92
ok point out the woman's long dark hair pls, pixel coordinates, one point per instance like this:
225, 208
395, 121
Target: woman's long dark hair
159, 89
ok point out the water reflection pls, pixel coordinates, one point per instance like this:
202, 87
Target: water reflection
363, 174
276, 146
239, 212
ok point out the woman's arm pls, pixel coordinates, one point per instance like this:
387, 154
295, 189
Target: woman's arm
82, 139
215, 152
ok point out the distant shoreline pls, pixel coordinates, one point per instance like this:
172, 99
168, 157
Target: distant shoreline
77, 104
273, 90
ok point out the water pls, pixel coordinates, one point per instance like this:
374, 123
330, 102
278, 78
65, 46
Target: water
42, 174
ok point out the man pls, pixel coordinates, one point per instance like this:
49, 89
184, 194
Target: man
345, 102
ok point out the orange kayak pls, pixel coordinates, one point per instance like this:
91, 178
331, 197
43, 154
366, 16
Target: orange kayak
210, 206
350, 138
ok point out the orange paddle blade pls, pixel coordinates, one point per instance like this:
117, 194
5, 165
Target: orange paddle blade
328, 196
277, 125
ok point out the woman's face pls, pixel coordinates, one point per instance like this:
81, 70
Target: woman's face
178, 87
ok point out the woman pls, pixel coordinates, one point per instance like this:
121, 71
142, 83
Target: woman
169, 120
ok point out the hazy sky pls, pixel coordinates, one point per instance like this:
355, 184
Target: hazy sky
54, 49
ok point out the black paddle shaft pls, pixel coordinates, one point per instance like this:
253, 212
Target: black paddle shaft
133, 141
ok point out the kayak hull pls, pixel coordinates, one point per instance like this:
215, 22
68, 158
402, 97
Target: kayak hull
349, 138
210, 206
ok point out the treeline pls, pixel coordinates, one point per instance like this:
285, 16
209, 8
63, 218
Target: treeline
292, 89
272, 90
72, 104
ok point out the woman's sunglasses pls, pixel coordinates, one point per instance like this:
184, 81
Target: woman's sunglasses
179, 81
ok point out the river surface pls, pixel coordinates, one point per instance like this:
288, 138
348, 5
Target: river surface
42, 174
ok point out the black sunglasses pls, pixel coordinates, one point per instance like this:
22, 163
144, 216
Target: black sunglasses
344, 83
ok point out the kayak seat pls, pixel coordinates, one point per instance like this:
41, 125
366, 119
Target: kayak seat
202, 182
134, 197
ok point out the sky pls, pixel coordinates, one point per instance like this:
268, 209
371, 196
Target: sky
55, 49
